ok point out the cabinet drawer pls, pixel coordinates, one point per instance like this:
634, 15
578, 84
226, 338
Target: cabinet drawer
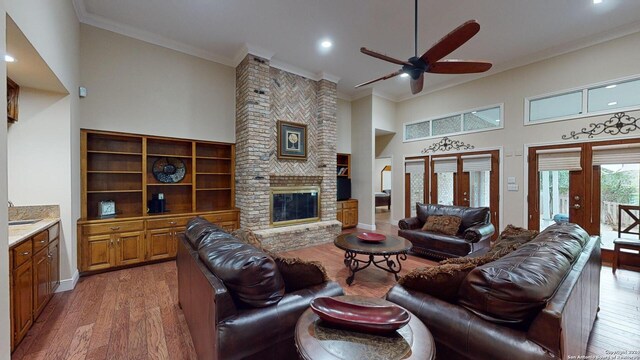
54, 232
350, 205
339, 205
40, 240
229, 226
222, 217
21, 254
168, 222
106, 228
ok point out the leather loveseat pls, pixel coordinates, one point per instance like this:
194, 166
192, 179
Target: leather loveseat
236, 302
538, 302
474, 233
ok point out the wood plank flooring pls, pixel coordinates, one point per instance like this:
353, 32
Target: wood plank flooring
134, 313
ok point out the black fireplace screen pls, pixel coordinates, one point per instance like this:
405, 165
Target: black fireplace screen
294, 206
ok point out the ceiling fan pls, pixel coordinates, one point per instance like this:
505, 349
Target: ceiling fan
431, 61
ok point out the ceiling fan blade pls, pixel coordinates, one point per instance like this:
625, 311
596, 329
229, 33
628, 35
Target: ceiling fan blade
451, 41
388, 76
459, 67
384, 57
416, 85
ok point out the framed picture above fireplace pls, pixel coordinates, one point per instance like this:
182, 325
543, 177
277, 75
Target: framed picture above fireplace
292, 141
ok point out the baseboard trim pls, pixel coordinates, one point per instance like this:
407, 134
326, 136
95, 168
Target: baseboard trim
366, 226
69, 284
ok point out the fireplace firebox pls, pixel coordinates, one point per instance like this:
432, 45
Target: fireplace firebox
295, 205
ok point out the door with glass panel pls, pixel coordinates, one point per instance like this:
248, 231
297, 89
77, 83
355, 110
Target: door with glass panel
558, 178
414, 185
470, 179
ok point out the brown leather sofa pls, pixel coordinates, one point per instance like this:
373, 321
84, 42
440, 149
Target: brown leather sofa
474, 233
538, 302
248, 317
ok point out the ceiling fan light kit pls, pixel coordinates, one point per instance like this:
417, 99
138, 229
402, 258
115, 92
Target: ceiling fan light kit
431, 61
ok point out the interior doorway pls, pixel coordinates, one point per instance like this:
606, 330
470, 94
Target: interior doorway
382, 190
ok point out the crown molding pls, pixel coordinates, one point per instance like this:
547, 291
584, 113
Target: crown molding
328, 77
80, 9
247, 49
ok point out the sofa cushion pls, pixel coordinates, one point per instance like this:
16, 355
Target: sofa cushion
440, 281
513, 237
197, 229
443, 224
515, 287
435, 241
479, 260
299, 274
251, 276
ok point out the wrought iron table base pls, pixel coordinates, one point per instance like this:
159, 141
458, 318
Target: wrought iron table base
354, 264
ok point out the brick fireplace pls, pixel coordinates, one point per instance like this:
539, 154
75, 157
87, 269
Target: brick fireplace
264, 95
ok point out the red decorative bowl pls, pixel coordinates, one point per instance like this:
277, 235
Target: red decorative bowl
364, 318
372, 237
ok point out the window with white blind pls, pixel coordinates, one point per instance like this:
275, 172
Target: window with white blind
616, 154
559, 159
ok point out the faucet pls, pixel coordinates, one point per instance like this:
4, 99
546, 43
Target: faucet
10, 204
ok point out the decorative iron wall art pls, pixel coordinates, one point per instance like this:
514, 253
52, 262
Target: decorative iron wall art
618, 124
447, 144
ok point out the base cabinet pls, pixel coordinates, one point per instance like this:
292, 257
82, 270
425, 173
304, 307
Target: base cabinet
347, 213
113, 244
34, 277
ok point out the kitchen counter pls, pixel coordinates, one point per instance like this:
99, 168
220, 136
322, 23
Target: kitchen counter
18, 233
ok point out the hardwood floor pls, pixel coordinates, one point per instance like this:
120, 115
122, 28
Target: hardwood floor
133, 313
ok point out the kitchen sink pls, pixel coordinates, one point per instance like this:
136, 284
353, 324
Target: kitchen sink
23, 222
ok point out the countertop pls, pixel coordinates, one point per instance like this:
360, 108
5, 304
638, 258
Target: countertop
18, 233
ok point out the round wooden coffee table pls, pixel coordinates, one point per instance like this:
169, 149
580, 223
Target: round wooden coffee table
392, 246
316, 340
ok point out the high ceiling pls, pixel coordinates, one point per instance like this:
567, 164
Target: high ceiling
513, 32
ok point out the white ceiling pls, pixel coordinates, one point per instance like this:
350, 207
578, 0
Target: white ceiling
513, 32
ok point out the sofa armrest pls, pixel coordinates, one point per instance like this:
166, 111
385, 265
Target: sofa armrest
479, 232
411, 223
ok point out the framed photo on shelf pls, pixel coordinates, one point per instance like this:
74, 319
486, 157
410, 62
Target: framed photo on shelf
292, 141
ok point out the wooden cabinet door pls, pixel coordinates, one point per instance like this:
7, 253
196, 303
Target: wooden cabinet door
349, 217
23, 300
160, 244
130, 248
40, 281
228, 226
99, 252
54, 266
339, 216
177, 233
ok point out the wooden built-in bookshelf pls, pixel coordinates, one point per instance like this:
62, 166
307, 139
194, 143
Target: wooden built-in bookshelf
343, 165
119, 167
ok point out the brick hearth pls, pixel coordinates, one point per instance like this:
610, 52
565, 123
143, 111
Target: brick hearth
265, 95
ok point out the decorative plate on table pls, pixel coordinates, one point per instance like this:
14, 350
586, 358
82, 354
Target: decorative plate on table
169, 170
364, 318
371, 237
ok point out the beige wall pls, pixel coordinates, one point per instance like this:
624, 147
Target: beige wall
5, 331
39, 167
384, 114
362, 147
138, 87
613, 59
343, 119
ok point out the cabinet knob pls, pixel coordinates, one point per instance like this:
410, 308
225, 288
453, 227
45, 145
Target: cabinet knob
43, 241
115, 228
172, 222
25, 253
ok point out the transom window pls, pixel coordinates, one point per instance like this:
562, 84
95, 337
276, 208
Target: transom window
482, 119
598, 99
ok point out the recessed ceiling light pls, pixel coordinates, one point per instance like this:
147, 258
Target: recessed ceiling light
326, 44
8, 58
613, 103
404, 75
610, 86
597, 1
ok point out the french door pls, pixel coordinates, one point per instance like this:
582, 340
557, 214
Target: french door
465, 179
585, 184
469, 179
